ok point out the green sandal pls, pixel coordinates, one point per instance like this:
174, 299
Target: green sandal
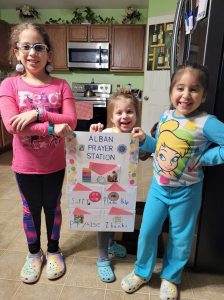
117, 250
104, 271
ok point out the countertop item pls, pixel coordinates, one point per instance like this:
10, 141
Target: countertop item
89, 93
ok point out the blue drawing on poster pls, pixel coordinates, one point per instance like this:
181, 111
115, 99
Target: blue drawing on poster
122, 148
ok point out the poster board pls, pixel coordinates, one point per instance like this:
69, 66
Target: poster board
101, 181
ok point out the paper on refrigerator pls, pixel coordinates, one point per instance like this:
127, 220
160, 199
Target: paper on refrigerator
102, 181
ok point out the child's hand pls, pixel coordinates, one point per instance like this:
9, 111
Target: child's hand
96, 127
138, 133
62, 130
19, 122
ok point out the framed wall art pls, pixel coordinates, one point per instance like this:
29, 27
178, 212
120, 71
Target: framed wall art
159, 44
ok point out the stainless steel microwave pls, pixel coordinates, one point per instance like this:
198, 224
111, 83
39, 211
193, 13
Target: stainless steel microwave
88, 55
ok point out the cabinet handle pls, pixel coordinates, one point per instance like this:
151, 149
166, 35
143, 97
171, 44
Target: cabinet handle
146, 98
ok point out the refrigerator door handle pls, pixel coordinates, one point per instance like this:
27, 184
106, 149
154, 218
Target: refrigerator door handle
188, 40
177, 19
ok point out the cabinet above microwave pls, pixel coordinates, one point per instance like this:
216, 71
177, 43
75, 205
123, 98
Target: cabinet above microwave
88, 33
88, 55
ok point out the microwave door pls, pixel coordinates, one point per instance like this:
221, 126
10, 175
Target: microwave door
88, 55
100, 55
84, 58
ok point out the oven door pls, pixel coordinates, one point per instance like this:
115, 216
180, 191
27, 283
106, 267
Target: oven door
88, 55
99, 116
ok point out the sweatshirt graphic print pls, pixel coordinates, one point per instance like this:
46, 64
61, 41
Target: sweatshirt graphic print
180, 144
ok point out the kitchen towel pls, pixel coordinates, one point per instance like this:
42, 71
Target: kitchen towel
84, 110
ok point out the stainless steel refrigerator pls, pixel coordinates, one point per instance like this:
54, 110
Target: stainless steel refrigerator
204, 43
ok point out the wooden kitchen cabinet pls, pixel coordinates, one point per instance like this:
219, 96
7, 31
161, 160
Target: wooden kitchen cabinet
88, 33
5, 138
58, 38
1, 141
127, 48
4, 48
99, 33
77, 33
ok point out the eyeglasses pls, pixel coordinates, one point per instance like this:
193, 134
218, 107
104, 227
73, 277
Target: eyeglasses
25, 48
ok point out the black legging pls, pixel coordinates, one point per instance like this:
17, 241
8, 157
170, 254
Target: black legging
37, 191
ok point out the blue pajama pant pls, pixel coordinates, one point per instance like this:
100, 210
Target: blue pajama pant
181, 205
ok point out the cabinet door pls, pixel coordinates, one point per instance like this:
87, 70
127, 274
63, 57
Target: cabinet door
128, 48
1, 141
6, 137
99, 33
78, 33
4, 48
58, 38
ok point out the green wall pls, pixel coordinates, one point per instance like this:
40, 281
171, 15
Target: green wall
156, 8
161, 7
12, 16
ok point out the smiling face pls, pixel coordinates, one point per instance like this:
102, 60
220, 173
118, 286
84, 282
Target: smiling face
33, 61
124, 115
187, 93
167, 159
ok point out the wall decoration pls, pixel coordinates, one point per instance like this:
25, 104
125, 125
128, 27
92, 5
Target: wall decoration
159, 44
102, 181
28, 12
132, 16
85, 15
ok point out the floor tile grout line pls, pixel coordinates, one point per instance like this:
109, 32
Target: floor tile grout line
9, 279
67, 275
105, 294
61, 291
16, 291
189, 284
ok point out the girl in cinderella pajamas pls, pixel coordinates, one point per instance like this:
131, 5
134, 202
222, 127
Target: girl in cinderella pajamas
181, 147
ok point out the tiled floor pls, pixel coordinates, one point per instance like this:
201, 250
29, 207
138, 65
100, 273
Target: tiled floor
80, 281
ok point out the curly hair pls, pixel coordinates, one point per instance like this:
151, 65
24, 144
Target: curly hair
18, 29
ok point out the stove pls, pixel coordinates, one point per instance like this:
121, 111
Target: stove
100, 93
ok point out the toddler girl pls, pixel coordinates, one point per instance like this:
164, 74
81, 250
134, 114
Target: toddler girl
123, 113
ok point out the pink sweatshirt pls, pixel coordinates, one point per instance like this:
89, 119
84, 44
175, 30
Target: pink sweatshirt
34, 151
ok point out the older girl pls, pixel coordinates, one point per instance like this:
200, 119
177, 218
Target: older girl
39, 110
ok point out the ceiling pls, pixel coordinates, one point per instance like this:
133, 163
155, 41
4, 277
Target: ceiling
44, 4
